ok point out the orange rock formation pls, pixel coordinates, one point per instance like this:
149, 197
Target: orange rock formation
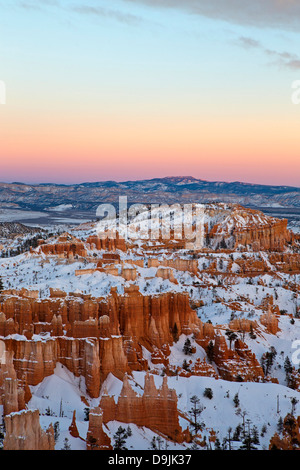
96, 438
239, 364
23, 432
290, 437
156, 409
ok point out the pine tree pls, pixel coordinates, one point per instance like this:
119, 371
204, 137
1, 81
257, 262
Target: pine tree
1, 285
247, 443
263, 430
231, 336
195, 412
1, 436
229, 437
187, 348
207, 240
56, 431
224, 444
288, 368
290, 423
294, 402
156, 443
66, 444
255, 438
120, 439
159, 442
267, 360
153, 445
210, 351
237, 433
280, 425
208, 393
236, 400
250, 439
86, 414
61, 413
218, 444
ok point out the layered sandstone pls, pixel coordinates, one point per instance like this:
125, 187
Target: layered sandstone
23, 432
156, 409
273, 236
289, 439
179, 264
92, 336
38, 359
107, 244
242, 324
96, 438
166, 273
241, 227
150, 319
238, 364
66, 246
270, 321
11, 396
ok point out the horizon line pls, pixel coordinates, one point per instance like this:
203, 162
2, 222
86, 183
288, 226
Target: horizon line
146, 179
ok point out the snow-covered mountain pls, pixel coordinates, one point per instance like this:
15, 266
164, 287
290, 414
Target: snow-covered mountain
98, 335
87, 196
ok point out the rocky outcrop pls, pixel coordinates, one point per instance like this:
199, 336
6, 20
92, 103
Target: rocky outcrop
92, 358
273, 236
150, 319
156, 409
129, 274
198, 368
36, 359
238, 364
240, 227
270, 322
96, 438
73, 426
10, 395
286, 262
23, 432
66, 246
289, 438
166, 273
93, 336
242, 324
132, 314
113, 357
179, 264
107, 244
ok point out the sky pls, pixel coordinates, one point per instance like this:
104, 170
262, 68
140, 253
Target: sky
137, 89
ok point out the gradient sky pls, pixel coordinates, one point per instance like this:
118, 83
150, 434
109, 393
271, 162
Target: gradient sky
136, 89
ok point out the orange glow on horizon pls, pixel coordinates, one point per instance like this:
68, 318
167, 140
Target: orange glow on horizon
75, 150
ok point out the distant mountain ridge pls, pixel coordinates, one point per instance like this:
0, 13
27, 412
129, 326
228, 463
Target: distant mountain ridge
180, 189
11, 229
